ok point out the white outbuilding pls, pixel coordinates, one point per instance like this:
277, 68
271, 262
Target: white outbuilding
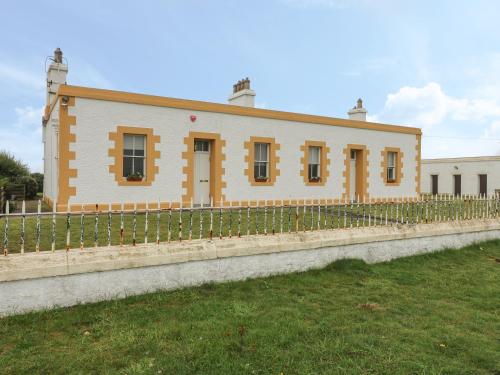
469, 175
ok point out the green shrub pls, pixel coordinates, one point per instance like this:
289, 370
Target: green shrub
39, 180
30, 184
10, 167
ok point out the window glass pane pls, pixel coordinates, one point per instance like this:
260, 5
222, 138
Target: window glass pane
127, 166
263, 170
260, 170
391, 173
201, 146
128, 142
261, 151
314, 171
139, 166
391, 159
257, 151
139, 142
314, 155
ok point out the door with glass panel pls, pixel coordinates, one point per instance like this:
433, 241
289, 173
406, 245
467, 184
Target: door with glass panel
201, 172
353, 188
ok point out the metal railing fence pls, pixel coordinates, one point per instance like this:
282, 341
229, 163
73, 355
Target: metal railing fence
40, 231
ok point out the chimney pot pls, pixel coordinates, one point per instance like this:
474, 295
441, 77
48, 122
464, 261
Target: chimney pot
58, 56
242, 94
358, 112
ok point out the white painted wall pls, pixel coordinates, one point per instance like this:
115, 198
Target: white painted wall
469, 168
50, 154
96, 118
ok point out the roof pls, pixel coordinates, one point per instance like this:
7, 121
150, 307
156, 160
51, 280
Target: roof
195, 105
461, 159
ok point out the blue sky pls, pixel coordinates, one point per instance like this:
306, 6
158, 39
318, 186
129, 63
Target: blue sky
431, 64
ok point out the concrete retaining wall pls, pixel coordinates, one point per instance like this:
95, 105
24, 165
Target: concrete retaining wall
38, 281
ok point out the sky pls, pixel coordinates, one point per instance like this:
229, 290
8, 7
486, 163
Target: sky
428, 64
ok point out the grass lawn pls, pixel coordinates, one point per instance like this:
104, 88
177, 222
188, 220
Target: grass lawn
430, 314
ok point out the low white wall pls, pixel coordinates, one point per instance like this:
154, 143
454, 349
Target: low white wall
38, 281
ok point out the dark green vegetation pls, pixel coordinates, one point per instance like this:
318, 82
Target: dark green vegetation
430, 314
229, 222
16, 179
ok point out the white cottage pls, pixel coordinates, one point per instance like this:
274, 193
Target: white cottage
110, 147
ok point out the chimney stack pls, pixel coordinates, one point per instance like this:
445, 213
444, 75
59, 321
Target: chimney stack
242, 94
56, 74
358, 112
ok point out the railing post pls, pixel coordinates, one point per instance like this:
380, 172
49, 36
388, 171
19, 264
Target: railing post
201, 218
23, 225
53, 231
38, 213
158, 221
82, 226
122, 225
68, 229
6, 230
191, 220
96, 225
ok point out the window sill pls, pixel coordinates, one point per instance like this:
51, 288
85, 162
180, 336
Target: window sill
125, 182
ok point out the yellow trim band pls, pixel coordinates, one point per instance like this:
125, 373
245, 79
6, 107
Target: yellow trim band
126, 97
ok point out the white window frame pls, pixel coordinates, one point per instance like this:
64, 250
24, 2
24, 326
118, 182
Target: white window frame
312, 163
260, 161
391, 166
133, 156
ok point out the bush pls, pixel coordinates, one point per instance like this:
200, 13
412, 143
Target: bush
11, 168
39, 180
30, 184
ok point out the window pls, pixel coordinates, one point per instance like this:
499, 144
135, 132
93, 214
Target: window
201, 146
134, 156
261, 162
353, 154
314, 166
391, 166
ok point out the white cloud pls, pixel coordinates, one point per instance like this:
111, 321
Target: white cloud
451, 126
23, 137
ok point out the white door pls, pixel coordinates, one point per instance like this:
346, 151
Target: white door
352, 176
201, 172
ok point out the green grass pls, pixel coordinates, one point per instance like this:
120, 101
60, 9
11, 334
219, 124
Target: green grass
430, 314
324, 217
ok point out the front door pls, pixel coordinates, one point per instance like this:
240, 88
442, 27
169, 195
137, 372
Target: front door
458, 184
434, 184
483, 184
353, 188
201, 172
